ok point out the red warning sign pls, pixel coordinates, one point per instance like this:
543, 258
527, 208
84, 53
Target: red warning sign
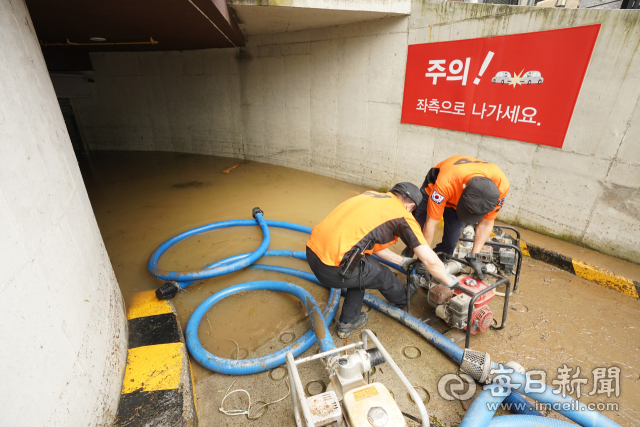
522, 87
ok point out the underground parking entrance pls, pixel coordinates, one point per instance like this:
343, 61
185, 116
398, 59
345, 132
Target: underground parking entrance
142, 199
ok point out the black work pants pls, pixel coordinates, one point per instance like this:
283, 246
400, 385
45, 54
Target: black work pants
452, 225
369, 275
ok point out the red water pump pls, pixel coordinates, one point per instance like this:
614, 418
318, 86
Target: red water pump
452, 305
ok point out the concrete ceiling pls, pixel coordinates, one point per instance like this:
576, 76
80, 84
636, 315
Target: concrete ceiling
255, 20
174, 24
65, 26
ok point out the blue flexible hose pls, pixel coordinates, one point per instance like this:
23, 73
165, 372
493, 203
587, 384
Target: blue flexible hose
260, 364
263, 363
552, 398
482, 409
525, 421
480, 414
576, 412
219, 268
518, 404
434, 337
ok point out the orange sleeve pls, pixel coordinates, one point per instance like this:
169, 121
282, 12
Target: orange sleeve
437, 202
378, 247
492, 215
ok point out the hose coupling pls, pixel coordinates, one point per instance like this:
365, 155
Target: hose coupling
375, 357
477, 364
256, 211
168, 290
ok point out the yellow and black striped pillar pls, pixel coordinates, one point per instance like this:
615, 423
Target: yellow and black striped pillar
158, 387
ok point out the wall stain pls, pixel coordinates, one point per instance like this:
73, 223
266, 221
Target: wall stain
623, 199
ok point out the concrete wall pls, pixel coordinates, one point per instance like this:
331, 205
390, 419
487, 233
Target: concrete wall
394, 6
63, 340
600, 4
569, 4
329, 101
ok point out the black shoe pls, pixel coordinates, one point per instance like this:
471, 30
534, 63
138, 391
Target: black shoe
407, 252
345, 329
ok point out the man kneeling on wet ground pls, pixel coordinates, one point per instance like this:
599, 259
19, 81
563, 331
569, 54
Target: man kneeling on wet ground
340, 246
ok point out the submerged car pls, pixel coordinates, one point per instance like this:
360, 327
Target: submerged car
502, 77
531, 77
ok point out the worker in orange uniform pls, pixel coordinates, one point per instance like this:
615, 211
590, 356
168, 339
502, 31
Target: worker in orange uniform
463, 190
339, 249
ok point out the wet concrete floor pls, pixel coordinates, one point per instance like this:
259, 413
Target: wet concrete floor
142, 199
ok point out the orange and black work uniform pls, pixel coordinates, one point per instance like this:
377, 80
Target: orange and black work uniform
371, 220
442, 188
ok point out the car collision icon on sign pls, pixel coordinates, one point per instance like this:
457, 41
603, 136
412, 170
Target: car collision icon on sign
531, 77
528, 78
502, 77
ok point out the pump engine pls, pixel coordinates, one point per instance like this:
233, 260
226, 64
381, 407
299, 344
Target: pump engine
497, 259
350, 400
453, 305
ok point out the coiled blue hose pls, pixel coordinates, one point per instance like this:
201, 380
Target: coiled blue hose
482, 409
480, 414
526, 421
584, 417
219, 268
319, 322
565, 405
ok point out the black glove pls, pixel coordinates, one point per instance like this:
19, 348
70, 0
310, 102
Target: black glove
421, 270
476, 264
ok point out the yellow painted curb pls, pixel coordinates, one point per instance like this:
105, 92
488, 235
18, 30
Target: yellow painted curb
154, 367
193, 387
605, 278
158, 387
146, 304
598, 275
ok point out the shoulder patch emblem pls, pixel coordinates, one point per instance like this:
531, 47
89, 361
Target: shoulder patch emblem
437, 197
501, 202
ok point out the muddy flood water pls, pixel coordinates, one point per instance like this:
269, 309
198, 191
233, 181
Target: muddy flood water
558, 323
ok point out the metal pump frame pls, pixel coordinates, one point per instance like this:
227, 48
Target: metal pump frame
296, 384
501, 280
516, 280
474, 297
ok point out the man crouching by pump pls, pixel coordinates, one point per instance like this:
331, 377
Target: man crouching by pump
340, 246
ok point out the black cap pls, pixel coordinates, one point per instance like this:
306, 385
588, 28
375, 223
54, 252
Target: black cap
409, 190
479, 197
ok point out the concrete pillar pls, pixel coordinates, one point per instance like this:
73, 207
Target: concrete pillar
63, 339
